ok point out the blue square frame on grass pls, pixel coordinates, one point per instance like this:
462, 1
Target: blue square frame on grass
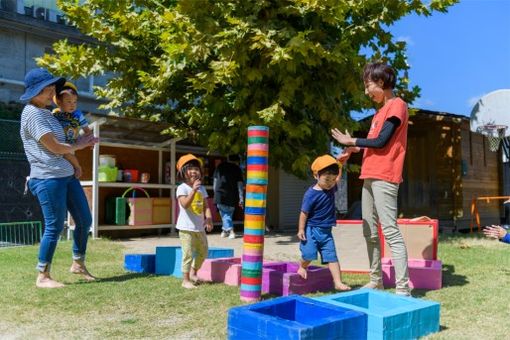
168, 259
390, 316
295, 317
140, 263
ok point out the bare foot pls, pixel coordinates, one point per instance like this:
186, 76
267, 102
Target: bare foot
342, 287
79, 268
188, 285
45, 281
302, 272
194, 279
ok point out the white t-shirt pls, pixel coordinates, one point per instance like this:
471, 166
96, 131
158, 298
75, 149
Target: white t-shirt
191, 219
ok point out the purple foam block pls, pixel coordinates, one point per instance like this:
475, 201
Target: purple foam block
423, 274
281, 278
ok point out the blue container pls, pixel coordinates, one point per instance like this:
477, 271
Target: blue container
140, 263
390, 316
295, 317
168, 259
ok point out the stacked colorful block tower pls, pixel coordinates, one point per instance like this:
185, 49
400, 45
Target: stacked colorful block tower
255, 212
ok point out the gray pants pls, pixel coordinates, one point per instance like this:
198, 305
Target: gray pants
379, 203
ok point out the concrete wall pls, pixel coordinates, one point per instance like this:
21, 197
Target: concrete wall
22, 40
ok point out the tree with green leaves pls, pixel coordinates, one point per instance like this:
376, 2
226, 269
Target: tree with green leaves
211, 68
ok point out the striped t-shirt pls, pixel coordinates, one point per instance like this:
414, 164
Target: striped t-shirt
35, 123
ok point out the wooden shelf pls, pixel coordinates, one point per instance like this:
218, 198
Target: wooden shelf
133, 227
128, 184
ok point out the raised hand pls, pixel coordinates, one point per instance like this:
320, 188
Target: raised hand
346, 153
196, 184
342, 138
494, 231
85, 141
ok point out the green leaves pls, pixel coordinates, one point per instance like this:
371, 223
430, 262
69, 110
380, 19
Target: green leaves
212, 68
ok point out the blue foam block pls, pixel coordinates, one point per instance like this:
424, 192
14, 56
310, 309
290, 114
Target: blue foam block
295, 317
390, 316
168, 259
140, 263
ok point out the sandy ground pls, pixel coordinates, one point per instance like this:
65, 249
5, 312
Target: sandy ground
277, 246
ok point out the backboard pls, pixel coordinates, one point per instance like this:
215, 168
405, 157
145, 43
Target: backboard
492, 109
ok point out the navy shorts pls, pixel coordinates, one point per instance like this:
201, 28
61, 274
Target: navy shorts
318, 240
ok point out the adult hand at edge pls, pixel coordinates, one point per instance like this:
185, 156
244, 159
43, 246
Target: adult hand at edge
495, 232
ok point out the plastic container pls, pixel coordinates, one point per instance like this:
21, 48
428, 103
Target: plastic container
145, 177
107, 160
107, 174
130, 175
120, 175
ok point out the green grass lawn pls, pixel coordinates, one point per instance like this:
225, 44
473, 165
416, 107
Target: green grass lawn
474, 299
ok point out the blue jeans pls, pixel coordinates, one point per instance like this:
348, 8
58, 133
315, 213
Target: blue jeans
226, 213
56, 196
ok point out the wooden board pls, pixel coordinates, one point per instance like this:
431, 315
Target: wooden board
351, 247
420, 239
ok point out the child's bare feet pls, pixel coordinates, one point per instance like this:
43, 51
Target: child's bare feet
78, 267
342, 287
45, 281
194, 279
188, 285
302, 272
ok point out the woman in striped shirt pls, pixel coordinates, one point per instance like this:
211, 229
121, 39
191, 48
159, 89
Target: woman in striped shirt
52, 178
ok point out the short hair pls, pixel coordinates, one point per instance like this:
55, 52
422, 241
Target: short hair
333, 169
380, 71
191, 164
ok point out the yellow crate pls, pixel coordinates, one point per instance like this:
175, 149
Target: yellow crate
161, 210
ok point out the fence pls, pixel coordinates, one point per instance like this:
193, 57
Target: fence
17, 234
11, 147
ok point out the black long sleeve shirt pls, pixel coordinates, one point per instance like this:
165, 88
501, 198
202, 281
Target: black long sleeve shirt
387, 131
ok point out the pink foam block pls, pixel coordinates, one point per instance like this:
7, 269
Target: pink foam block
226, 270
423, 274
281, 278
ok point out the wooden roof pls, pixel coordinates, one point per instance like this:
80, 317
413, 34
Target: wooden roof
130, 130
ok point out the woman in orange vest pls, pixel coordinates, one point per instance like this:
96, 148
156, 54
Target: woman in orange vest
381, 171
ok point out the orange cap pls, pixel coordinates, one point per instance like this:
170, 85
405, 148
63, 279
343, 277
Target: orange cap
67, 86
323, 162
185, 159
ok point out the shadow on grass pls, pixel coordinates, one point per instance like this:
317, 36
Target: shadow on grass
123, 277
451, 279
292, 238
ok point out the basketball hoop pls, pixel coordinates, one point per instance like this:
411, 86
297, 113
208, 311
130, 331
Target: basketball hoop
494, 133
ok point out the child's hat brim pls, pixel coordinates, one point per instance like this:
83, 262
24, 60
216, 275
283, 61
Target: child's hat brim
186, 159
322, 162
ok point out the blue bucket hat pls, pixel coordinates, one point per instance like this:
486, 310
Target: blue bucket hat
36, 80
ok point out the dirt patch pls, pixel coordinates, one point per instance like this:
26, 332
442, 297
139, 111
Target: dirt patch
284, 246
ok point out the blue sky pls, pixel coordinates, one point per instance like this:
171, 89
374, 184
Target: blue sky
458, 56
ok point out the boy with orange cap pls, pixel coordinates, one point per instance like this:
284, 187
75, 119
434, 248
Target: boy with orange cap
71, 119
194, 217
317, 217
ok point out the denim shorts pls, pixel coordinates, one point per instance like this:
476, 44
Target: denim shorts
318, 240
